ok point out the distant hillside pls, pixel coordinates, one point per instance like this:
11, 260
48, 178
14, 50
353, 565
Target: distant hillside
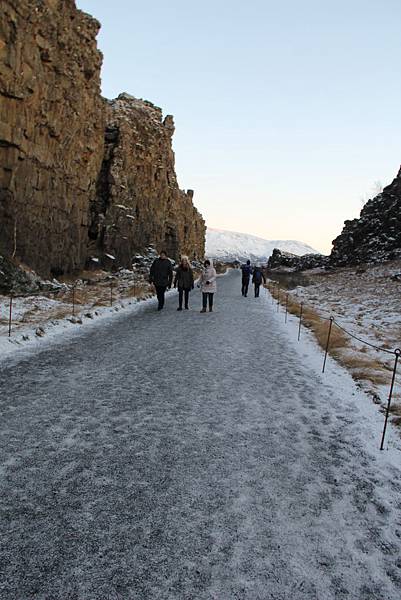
230, 245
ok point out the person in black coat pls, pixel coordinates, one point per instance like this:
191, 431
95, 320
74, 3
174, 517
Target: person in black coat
161, 275
184, 280
257, 278
246, 274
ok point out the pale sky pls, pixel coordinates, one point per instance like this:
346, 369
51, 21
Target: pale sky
286, 113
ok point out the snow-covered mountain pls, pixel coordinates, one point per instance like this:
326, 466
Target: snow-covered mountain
230, 245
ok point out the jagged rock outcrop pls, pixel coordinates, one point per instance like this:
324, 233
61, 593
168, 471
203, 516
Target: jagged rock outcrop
376, 235
14, 279
138, 201
79, 176
286, 260
51, 131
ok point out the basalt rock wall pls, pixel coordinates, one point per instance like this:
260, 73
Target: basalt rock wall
138, 201
376, 235
80, 176
51, 132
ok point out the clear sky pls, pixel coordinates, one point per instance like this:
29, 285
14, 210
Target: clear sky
286, 113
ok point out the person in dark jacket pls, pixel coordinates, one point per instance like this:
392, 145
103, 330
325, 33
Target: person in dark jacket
257, 278
246, 275
184, 280
161, 275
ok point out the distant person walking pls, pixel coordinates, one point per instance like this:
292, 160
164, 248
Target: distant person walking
161, 275
257, 278
184, 281
246, 275
207, 283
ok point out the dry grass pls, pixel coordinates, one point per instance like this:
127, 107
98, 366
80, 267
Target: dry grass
367, 374
395, 410
361, 367
89, 297
312, 320
141, 292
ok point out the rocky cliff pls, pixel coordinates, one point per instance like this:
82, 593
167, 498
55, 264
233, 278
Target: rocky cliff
376, 235
51, 131
138, 201
79, 176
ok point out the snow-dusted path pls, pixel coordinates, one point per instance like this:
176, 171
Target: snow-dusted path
186, 456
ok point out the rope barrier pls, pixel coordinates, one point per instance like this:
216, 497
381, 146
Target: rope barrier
378, 348
396, 353
352, 335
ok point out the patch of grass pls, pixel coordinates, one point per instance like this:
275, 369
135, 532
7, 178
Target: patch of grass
395, 409
312, 320
139, 291
361, 366
366, 374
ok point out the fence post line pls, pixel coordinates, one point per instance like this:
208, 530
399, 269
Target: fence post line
286, 307
327, 343
10, 315
300, 320
397, 353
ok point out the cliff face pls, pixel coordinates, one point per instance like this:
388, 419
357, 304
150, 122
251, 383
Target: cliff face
138, 200
79, 176
51, 131
376, 235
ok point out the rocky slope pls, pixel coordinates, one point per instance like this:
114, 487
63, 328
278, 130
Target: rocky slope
79, 176
373, 238
376, 235
280, 259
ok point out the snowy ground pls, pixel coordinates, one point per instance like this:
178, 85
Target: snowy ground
366, 301
189, 456
36, 318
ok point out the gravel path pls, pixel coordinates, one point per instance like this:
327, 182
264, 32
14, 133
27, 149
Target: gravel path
186, 456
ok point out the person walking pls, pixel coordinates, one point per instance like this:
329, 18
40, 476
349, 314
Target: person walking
207, 283
161, 275
184, 280
257, 278
246, 274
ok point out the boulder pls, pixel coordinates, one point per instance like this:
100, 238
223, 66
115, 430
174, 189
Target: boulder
15, 280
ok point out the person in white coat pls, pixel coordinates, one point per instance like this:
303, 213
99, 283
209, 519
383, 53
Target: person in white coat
207, 283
